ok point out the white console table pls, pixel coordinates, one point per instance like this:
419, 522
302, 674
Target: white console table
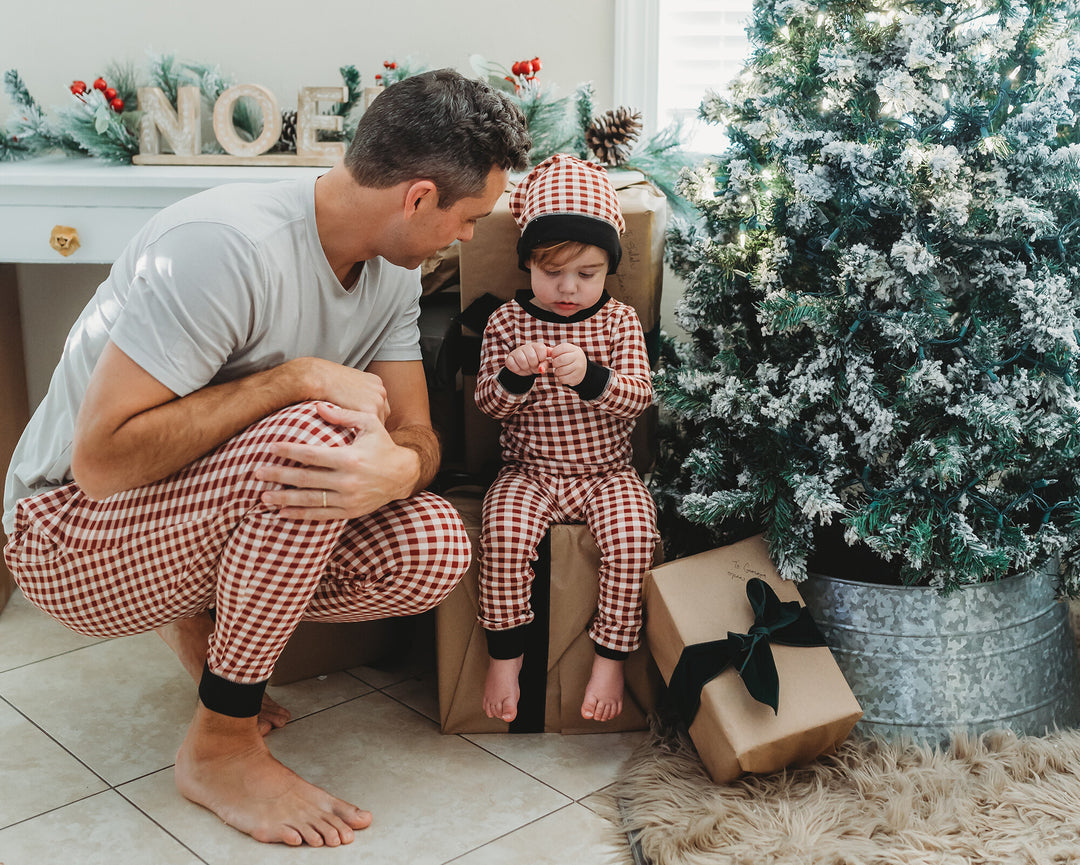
106, 205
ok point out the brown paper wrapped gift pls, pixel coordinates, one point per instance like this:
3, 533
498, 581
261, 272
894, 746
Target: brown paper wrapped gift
700, 599
14, 403
7, 584
557, 664
320, 648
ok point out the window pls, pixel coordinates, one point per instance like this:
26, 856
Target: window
670, 53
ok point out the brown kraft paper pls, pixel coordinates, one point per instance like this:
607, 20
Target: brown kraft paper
462, 647
699, 599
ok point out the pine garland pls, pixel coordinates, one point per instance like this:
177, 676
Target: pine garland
558, 124
29, 131
584, 105
97, 130
661, 158
883, 294
550, 119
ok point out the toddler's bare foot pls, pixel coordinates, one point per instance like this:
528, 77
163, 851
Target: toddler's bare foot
501, 690
225, 766
604, 693
189, 639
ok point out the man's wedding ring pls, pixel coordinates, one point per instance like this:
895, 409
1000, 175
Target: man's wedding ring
324, 498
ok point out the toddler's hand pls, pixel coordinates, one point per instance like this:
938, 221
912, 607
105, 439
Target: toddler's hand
528, 359
568, 364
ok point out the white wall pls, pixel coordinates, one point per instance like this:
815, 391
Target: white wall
285, 45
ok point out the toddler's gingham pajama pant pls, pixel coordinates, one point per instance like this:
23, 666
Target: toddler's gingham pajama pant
621, 516
170, 550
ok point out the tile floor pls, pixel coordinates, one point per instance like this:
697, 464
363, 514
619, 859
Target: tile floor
89, 729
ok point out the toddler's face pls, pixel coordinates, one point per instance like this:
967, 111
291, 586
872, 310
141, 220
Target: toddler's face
571, 285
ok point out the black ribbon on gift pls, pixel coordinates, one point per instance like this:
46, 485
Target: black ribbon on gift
785, 622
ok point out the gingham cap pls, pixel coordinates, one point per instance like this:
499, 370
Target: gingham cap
565, 198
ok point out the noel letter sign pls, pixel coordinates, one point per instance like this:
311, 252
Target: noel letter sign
182, 128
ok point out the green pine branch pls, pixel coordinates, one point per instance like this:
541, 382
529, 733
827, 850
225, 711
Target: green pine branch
96, 130
28, 131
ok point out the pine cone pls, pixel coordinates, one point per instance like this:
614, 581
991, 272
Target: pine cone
611, 136
286, 143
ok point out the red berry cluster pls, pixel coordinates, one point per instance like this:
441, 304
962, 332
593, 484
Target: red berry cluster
115, 102
527, 69
387, 64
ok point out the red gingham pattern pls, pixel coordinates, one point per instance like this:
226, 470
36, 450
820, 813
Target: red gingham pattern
564, 184
143, 558
518, 509
552, 428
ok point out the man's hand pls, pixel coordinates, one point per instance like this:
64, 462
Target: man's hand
528, 359
334, 483
350, 388
568, 364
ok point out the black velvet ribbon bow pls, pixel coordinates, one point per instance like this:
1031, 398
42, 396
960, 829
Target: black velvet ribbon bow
775, 621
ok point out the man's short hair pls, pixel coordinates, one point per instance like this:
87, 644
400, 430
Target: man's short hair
438, 126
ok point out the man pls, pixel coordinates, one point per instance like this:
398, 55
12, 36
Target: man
239, 422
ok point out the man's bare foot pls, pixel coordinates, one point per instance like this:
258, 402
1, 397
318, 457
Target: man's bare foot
189, 639
225, 766
604, 693
501, 689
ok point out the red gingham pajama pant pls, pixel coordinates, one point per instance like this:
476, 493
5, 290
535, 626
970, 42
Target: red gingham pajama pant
518, 509
170, 550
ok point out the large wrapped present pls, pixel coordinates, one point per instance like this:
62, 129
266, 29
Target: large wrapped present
320, 648
14, 403
745, 665
558, 655
7, 584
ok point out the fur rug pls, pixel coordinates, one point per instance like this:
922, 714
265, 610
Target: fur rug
998, 799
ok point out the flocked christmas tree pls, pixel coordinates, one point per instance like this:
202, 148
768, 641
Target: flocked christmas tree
883, 293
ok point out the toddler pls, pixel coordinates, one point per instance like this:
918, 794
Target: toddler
564, 368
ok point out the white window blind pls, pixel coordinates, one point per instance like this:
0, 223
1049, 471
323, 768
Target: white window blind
702, 46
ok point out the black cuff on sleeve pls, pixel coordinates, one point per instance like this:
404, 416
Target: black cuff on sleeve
610, 654
596, 379
230, 698
503, 645
516, 383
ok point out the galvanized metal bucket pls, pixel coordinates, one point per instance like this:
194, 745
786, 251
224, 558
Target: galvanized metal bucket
988, 656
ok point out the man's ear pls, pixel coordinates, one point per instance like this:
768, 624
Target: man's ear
420, 194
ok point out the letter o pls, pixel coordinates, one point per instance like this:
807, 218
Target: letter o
225, 131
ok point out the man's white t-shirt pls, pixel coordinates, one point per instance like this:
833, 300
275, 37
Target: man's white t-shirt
218, 286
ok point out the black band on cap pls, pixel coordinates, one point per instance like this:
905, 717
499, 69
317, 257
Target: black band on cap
558, 227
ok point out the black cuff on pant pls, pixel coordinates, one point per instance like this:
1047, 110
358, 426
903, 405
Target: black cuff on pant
504, 645
610, 654
230, 698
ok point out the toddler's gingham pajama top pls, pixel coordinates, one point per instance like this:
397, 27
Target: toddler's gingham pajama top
566, 454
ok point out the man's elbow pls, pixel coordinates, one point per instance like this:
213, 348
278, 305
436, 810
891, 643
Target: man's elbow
89, 475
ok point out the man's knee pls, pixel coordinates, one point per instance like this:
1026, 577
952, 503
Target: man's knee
436, 546
300, 424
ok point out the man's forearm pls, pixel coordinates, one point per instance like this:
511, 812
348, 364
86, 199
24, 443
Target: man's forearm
423, 440
161, 440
